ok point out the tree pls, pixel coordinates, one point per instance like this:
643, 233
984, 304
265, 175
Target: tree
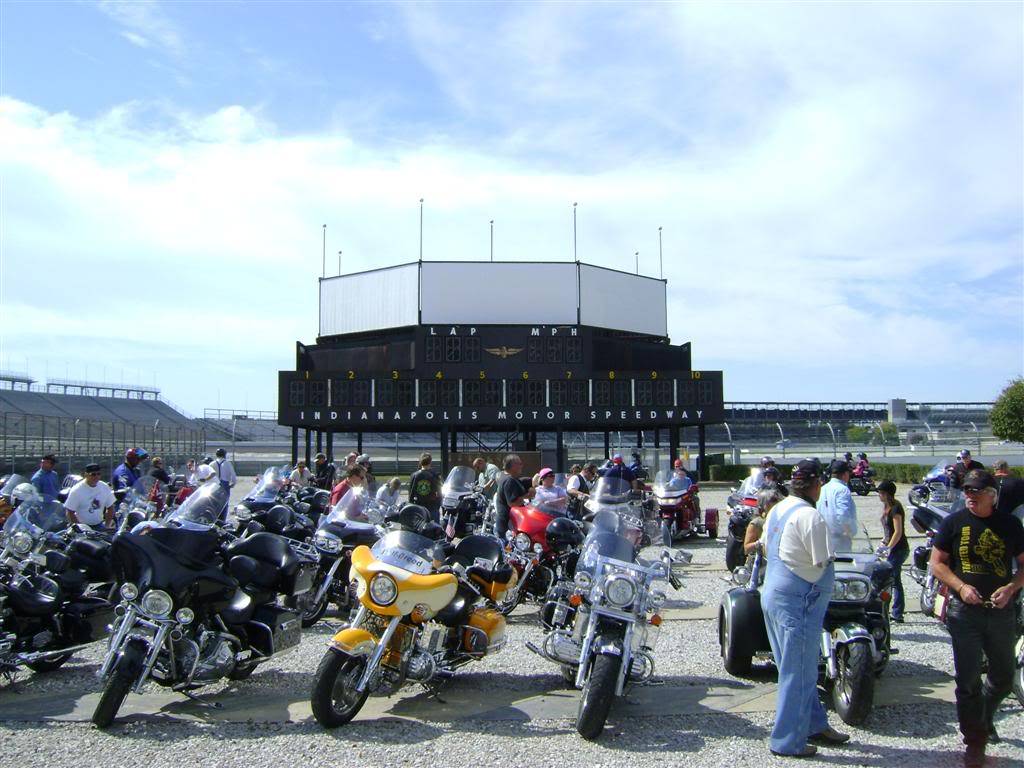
1007, 415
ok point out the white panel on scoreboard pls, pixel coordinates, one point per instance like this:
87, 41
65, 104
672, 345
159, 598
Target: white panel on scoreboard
367, 301
618, 300
475, 293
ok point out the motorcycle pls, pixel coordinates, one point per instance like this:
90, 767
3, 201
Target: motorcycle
741, 512
347, 527
864, 484
926, 519
264, 495
934, 483
543, 544
855, 640
679, 508
462, 505
48, 607
603, 623
420, 616
196, 604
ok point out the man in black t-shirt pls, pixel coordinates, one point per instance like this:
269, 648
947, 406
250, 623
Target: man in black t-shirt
974, 554
511, 493
964, 464
1011, 489
425, 487
323, 472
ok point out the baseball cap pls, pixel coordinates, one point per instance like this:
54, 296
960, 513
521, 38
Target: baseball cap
888, 486
978, 480
92, 468
839, 466
807, 469
963, 454
617, 458
545, 472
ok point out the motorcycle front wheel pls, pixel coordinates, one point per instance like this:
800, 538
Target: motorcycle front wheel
118, 685
1018, 675
666, 533
598, 692
929, 591
853, 693
335, 700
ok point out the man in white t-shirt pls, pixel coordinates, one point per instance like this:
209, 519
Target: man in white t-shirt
300, 476
90, 501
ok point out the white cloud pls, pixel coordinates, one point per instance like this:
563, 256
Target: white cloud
145, 24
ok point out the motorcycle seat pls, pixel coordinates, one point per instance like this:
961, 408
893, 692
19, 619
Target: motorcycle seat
482, 556
89, 548
268, 549
240, 610
457, 611
28, 602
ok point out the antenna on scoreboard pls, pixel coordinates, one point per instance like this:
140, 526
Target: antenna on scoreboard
661, 263
637, 257
421, 229
323, 257
574, 232
492, 239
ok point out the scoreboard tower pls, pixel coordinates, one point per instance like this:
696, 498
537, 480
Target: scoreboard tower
504, 347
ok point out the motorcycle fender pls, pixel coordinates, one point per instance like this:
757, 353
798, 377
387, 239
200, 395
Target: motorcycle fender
854, 633
607, 646
354, 641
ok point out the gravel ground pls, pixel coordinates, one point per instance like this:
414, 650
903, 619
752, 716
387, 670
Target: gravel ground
687, 653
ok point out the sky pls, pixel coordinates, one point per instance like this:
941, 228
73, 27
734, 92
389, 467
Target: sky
840, 186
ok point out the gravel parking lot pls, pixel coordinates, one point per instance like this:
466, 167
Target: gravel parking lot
494, 726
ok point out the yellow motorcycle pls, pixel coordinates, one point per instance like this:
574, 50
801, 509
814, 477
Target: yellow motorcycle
425, 609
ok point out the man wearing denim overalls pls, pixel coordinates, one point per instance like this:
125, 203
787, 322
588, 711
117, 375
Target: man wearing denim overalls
225, 476
794, 598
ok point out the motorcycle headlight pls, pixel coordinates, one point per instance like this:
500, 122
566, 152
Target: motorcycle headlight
383, 589
185, 616
850, 590
157, 603
619, 590
538, 548
583, 580
21, 542
522, 542
129, 591
328, 542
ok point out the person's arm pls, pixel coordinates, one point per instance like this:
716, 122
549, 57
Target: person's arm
846, 514
751, 538
897, 530
1002, 596
940, 568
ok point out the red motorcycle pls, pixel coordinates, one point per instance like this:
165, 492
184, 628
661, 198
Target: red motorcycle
543, 544
679, 507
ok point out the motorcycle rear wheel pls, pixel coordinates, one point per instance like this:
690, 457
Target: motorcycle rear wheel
712, 531
335, 700
854, 691
311, 613
118, 685
598, 692
737, 663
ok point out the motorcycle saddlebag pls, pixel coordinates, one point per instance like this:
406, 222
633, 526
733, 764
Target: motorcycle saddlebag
86, 619
285, 628
301, 580
921, 557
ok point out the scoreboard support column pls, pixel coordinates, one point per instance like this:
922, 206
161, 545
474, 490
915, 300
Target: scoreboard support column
559, 451
455, 440
445, 455
295, 446
359, 443
309, 445
673, 444
701, 443
607, 444
319, 441
330, 450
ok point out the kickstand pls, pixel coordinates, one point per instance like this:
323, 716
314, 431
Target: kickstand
201, 702
434, 691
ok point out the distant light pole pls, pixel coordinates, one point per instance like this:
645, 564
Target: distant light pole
882, 433
339, 263
835, 446
782, 439
977, 434
637, 257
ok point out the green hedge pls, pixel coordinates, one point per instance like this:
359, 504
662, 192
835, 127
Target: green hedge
898, 473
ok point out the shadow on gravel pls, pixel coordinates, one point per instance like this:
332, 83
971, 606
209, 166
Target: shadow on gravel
918, 637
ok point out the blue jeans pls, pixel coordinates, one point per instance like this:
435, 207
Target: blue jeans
794, 613
896, 559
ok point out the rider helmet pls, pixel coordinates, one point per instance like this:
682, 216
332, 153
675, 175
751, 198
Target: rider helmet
848, 456
562, 534
862, 456
767, 461
364, 459
206, 460
964, 454
771, 474
24, 492
131, 456
677, 464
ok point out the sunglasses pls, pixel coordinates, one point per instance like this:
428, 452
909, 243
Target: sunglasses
975, 491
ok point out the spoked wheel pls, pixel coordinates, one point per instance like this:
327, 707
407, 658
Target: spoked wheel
854, 691
311, 610
598, 692
335, 700
928, 593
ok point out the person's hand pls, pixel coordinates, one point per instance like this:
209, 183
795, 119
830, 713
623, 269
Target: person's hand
970, 595
1002, 596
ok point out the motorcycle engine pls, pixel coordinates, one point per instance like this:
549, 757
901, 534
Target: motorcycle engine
216, 658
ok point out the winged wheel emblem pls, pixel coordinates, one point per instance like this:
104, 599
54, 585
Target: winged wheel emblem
503, 352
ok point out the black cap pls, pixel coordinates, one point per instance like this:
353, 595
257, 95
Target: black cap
92, 468
978, 480
807, 469
220, 453
888, 486
838, 466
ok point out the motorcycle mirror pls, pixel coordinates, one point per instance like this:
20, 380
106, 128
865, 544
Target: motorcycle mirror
680, 556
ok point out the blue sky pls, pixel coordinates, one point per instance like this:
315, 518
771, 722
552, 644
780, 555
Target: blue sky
840, 185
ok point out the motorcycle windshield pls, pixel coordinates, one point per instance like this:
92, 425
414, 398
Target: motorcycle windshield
145, 490
938, 470
269, 485
669, 483
406, 550
201, 509
37, 517
12, 482
614, 535
609, 493
459, 481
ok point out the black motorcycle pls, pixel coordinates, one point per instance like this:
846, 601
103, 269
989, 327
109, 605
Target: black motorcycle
355, 521
198, 605
926, 519
864, 484
50, 606
463, 507
742, 509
